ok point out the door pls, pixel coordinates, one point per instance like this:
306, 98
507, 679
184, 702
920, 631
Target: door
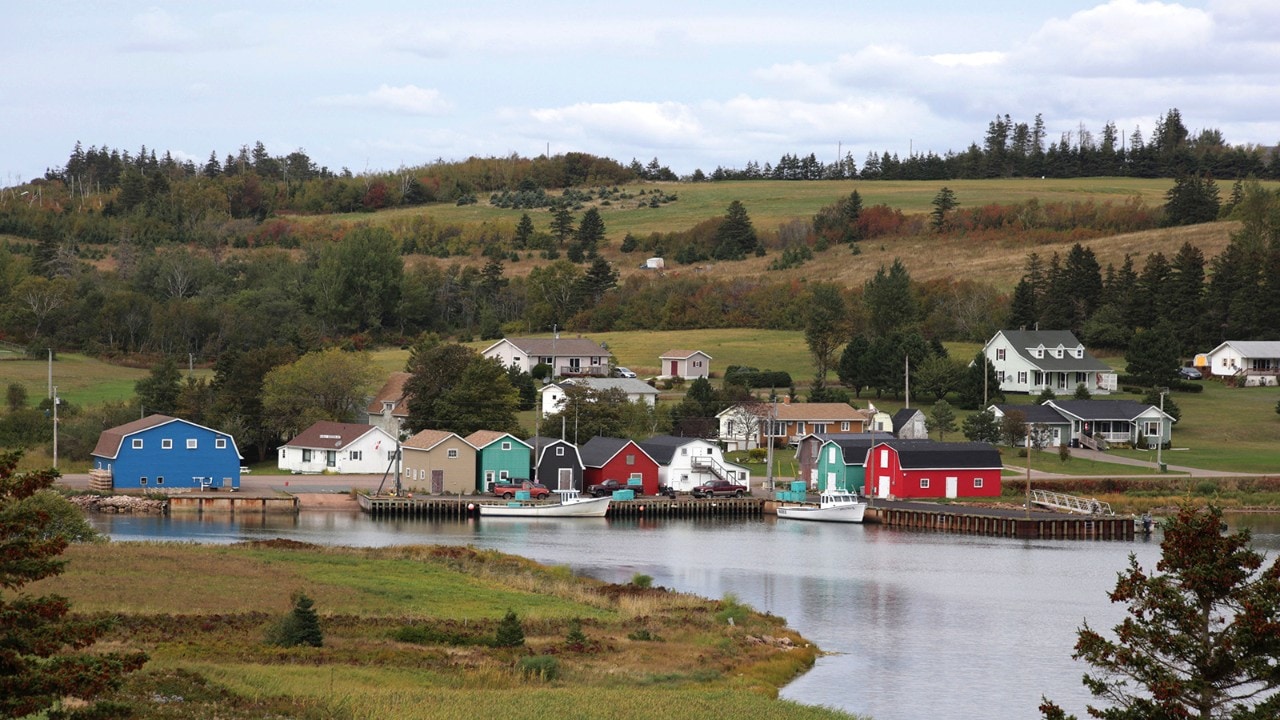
953, 486
330, 458
831, 481
437, 482
675, 368
564, 480
882, 486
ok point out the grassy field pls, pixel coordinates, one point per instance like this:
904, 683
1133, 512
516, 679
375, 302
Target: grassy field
407, 633
80, 380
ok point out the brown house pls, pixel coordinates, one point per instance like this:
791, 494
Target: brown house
439, 462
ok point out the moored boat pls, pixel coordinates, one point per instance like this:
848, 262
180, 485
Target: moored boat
832, 507
571, 504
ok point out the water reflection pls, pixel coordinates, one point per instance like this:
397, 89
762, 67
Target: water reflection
918, 624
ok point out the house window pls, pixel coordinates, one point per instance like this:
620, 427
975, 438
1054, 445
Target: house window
697, 363
560, 452
137, 443
191, 443
391, 455
503, 474
488, 476
820, 428
142, 481
831, 455
999, 353
220, 444
711, 451
924, 483
160, 480
728, 427
844, 427
453, 453
884, 457
684, 451
166, 444
506, 446
631, 459
306, 456
1022, 377
800, 428
1000, 376
1152, 429
977, 483
355, 454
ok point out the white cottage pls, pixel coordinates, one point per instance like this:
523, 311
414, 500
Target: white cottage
1257, 361
684, 463
334, 447
1028, 361
687, 364
637, 391
566, 356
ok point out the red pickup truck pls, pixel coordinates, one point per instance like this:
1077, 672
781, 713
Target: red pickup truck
720, 488
508, 490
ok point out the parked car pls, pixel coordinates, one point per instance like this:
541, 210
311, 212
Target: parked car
720, 488
623, 372
609, 487
1190, 373
508, 490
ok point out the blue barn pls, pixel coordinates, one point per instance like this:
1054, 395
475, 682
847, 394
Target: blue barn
159, 452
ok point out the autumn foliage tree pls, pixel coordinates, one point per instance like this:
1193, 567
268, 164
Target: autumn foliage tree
1201, 638
42, 646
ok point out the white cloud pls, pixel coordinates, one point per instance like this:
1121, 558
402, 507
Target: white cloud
156, 29
627, 121
407, 99
1123, 38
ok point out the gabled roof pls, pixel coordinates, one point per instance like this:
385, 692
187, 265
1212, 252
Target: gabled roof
1023, 341
663, 447
1251, 348
482, 439
630, 386
929, 455
1094, 410
542, 442
554, 347
853, 448
903, 416
392, 391
821, 412
110, 440
598, 451
681, 354
428, 439
329, 435
1035, 414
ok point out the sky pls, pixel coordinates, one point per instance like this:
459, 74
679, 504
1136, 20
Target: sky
374, 86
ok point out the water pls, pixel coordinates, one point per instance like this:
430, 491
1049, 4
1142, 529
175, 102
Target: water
916, 624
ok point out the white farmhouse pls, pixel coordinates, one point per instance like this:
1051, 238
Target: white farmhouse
566, 356
684, 463
637, 391
1028, 361
334, 447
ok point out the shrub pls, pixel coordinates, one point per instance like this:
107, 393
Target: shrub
641, 580
539, 667
510, 632
300, 627
575, 639
732, 611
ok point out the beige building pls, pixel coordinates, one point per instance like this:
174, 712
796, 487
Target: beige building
439, 462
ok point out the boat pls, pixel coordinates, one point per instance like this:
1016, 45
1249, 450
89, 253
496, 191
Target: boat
835, 506
571, 504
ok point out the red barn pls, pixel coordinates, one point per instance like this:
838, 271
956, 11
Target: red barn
607, 458
928, 469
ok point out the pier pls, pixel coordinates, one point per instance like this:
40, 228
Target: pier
999, 522
232, 503
455, 507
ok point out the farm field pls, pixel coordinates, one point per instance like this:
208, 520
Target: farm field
407, 634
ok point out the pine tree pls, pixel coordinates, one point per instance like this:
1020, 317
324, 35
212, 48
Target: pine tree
735, 237
941, 419
510, 632
524, 232
943, 203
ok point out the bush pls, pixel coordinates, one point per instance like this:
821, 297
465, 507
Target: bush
575, 639
641, 580
510, 632
539, 667
300, 627
732, 610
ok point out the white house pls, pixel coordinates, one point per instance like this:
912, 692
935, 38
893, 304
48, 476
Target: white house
688, 364
752, 425
566, 356
637, 391
684, 463
1257, 360
1028, 361
335, 447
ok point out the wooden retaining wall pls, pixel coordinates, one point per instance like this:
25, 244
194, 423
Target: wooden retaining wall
232, 504
1039, 526
466, 507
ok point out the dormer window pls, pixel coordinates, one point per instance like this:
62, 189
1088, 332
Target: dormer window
388, 406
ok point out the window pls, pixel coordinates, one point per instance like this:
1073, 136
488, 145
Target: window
820, 428
355, 454
306, 456
977, 483
506, 446
728, 427
160, 480
1152, 429
453, 453
1022, 377
831, 454
391, 455
503, 475
137, 443
166, 444
844, 427
1000, 353
220, 443
924, 483
800, 428
697, 363
684, 451
711, 451
191, 443
142, 481
884, 457
560, 452
488, 476
631, 459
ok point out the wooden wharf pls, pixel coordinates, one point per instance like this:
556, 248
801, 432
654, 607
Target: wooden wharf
999, 522
462, 507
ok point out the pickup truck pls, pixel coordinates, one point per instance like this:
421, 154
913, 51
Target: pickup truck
609, 487
508, 490
720, 488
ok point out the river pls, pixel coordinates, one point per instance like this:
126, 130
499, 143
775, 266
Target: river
914, 624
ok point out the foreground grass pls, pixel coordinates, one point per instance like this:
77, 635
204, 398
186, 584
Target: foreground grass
201, 613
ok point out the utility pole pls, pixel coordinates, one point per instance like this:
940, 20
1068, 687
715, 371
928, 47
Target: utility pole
1028, 451
1159, 440
56, 400
50, 373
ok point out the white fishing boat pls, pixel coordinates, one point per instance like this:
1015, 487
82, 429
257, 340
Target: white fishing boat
571, 504
834, 506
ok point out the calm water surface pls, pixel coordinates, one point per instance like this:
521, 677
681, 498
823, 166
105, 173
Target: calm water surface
918, 625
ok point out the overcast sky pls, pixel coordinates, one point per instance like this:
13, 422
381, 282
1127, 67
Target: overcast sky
376, 85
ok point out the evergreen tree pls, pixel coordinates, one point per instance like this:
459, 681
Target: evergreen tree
300, 627
591, 231
44, 656
1186, 296
510, 632
1199, 640
976, 391
1192, 199
735, 237
853, 367
1022, 307
561, 224
158, 392
524, 232
981, 427
943, 203
1152, 297
941, 419
823, 328
1153, 357
889, 299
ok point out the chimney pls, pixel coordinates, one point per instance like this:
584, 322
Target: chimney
786, 399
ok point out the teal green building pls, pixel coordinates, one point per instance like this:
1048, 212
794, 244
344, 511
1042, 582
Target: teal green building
500, 456
842, 464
